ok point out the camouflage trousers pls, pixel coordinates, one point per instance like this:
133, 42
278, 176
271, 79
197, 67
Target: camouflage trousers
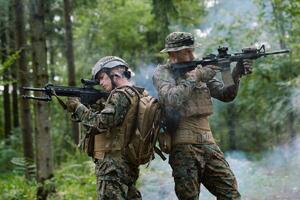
202, 163
116, 179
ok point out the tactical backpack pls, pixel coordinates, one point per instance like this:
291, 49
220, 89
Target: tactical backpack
140, 145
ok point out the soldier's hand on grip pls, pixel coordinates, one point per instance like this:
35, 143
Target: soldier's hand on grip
244, 67
206, 73
72, 103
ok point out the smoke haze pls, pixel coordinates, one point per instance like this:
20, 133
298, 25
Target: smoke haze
275, 176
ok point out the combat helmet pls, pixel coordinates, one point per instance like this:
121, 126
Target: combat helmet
177, 41
107, 63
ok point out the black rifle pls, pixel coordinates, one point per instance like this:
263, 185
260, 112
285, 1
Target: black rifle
87, 94
223, 59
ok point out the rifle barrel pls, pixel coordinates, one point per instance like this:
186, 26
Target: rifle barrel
37, 98
277, 52
34, 89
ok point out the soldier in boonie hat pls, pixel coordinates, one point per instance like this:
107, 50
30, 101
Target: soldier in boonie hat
177, 41
186, 97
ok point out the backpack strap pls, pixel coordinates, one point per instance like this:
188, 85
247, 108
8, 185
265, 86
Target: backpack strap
159, 152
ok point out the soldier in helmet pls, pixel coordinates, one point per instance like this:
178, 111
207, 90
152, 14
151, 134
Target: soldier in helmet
116, 176
195, 157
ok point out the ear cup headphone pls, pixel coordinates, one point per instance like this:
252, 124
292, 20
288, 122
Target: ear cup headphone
127, 74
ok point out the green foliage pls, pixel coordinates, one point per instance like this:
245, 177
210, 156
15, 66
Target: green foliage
10, 60
133, 30
16, 187
75, 180
6, 155
113, 28
10, 148
21, 165
264, 104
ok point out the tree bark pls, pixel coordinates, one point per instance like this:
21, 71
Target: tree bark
12, 47
161, 11
44, 157
6, 96
49, 14
70, 59
26, 120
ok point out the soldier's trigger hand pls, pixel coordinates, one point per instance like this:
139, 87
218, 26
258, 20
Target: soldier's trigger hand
247, 63
244, 67
205, 74
191, 75
72, 103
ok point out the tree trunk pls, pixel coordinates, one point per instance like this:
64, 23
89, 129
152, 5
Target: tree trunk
44, 157
279, 24
50, 33
70, 59
26, 120
12, 47
6, 96
161, 10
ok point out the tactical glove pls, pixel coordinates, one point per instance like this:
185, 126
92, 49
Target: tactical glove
205, 74
244, 67
72, 103
99, 105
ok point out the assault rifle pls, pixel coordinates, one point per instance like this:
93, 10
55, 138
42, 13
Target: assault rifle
223, 59
87, 94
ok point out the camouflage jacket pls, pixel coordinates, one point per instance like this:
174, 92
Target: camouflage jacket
107, 125
111, 115
178, 92
187, 104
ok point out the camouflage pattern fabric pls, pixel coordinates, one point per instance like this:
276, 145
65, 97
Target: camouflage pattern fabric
116, 179
174, 90
112, 114
171, 92
177, 41
115, 176
196, 164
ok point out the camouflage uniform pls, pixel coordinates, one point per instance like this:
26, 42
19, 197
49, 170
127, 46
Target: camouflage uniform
195, 157
109, 128
116, 177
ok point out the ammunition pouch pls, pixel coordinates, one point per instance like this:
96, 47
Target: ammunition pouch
107, 143
90, 147
88, 144
190, 137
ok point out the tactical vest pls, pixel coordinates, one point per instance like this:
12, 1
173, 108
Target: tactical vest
112, 141
199, 102
193, 130
193, 126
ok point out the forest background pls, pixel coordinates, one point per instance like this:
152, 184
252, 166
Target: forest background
59, 41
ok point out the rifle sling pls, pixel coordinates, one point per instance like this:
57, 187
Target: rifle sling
61, 102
